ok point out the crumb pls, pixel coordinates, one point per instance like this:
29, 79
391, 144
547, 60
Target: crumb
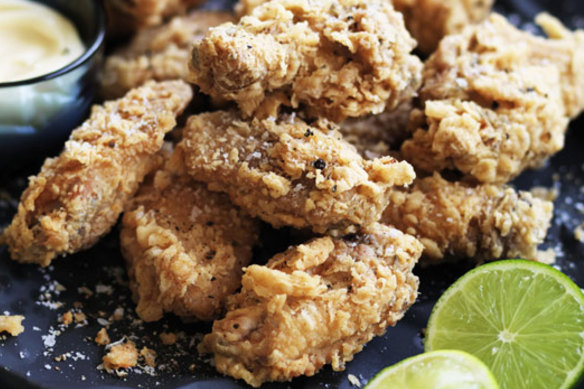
85, 290
579, 233
77, 304
168, 338
102, 337
354, 380
121, 356
149, 356
117, 315
79, 317
66, 318
192, 367
11, 324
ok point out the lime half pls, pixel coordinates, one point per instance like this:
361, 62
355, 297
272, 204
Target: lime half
444, 369
523, 319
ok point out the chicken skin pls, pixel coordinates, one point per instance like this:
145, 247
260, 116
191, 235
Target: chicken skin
158, 53
290, 173
458, 220
333, 59
493, 104
77, 197
315, 304
184, 246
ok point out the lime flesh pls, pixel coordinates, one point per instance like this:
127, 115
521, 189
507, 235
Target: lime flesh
523, 319
444, 369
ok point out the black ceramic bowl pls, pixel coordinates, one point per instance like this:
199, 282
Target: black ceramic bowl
70, 90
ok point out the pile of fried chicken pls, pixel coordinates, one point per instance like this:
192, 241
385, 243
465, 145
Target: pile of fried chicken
325, 120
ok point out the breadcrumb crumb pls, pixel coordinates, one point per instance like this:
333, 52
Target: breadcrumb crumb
102, 337
168, 338
11, 324
121, 356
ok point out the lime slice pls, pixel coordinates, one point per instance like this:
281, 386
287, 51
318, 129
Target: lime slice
444, 369
525, 320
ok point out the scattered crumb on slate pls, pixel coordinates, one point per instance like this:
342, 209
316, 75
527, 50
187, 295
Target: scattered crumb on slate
102, 337
354, 380
11, 324
168, 338
120, 356
149, 356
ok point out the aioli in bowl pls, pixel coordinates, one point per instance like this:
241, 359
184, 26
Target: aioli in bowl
38, 113
35, 40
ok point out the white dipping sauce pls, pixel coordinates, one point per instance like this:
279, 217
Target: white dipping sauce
36, 40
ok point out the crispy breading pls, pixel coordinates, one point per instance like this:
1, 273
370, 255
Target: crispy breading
377, 135
158, 53
427, 20
489, 109
334, 59
290, 173
184, 247
120, 356
430, 20
126, 17
456, 220
315, 304
77, 197
11, 324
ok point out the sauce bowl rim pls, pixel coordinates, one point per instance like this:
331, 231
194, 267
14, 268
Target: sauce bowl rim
97, 42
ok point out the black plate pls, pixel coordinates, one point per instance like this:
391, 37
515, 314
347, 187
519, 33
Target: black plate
29, 364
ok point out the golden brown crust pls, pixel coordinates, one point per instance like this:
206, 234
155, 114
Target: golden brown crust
184, 246
334, 59
315, 304
430, 20
159, 53
565, 49
456, 220
77, 197
489, 110
289, 173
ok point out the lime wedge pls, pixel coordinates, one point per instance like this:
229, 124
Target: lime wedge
444, 369
523, 319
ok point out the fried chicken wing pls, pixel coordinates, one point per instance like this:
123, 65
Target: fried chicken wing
427, 20
289, 173
77, 197
315, 304
459, 220
126, 17
430, 20
334, 59
184, 246
158, 53
490, 107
